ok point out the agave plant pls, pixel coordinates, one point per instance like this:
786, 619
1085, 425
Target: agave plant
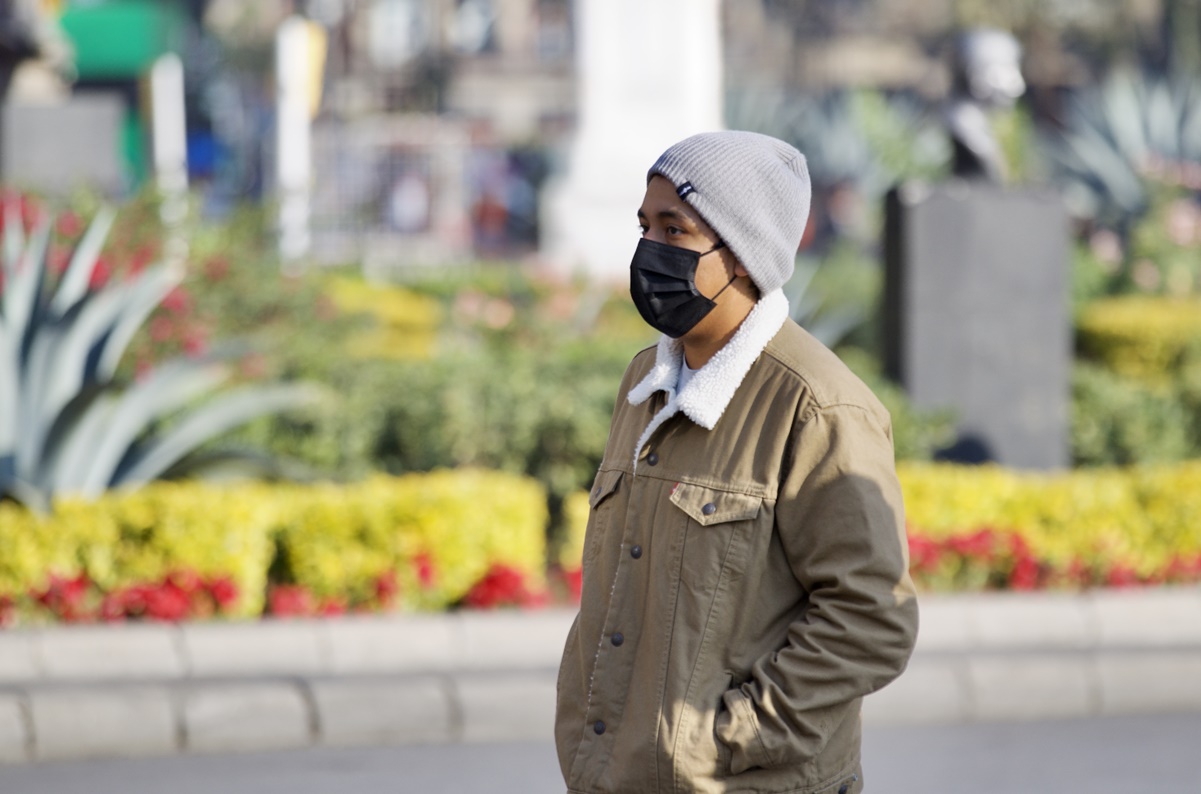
860, 138
1119, 131
67, 425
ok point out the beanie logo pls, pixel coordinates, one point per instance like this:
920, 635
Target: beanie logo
684, 189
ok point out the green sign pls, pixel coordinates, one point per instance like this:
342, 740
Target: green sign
119, 39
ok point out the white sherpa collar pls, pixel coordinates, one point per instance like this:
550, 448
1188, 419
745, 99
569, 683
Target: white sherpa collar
710, 390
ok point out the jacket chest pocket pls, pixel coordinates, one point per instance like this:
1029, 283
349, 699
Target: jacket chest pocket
600, 504
717, 528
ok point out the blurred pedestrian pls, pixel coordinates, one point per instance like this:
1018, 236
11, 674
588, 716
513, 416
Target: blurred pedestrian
745, 569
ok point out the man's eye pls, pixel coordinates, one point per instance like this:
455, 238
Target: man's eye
674, 230
643, 229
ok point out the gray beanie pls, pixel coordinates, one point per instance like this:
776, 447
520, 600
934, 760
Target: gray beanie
752, 189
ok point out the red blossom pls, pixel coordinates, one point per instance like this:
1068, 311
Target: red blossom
101, 273
924, 553
189, 582
142, 368
69, 224
331, 607
423, 565
1025, 574
502, 586
387, 587
980, 544
161, 329
287, 600
1121, 575
195, 341
224, 592
1182, 569
140, 260
66, 598
167, 602
177, 301
57, 261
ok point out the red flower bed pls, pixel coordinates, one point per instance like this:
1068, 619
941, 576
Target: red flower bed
990, 559
182, 595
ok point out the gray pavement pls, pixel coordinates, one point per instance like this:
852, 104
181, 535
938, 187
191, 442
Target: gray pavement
1109, 755
471, 677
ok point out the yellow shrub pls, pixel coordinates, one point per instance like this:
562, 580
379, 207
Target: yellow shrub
1142, 337
575, 519
137, 537
1141, 518
335, 540
340, 539
406, 322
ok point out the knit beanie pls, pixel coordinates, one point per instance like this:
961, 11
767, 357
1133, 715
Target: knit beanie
752, 189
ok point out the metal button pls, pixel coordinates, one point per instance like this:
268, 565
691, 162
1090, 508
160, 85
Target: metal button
617, 639
653, 459
599, 727
709, 509
844, 788
636, 552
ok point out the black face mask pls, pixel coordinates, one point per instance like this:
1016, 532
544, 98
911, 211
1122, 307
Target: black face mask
663, 286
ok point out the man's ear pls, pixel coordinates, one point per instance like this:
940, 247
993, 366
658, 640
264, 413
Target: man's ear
739, 270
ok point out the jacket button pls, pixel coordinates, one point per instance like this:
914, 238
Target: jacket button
617, 639
709, 509
653, 459
844, 788
599, 727
636, 552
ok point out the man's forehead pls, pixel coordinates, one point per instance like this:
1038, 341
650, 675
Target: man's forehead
662, 201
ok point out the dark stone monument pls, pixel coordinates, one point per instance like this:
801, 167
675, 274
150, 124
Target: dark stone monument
976, 316
976, 282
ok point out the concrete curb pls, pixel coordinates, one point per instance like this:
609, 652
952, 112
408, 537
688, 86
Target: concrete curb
139, 690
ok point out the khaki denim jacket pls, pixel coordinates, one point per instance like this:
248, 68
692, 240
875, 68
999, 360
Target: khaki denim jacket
745, 575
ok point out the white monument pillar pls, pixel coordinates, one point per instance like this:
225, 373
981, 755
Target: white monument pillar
293, 142
649, 74
170, 139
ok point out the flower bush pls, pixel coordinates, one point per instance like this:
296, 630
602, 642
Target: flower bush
983, 527
174, 551
986, 528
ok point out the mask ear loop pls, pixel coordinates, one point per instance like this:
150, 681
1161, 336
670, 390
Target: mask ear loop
720, 244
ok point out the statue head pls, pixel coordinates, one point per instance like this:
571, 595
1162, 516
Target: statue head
986, 68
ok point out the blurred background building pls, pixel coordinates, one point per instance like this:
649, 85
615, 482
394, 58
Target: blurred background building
437, 123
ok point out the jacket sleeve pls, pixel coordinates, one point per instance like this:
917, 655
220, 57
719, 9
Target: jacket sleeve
841, 523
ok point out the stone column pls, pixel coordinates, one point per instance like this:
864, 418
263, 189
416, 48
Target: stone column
649, 74
169, 133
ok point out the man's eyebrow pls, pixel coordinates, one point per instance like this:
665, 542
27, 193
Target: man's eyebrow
668, 215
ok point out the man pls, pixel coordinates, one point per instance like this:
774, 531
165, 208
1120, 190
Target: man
745, 579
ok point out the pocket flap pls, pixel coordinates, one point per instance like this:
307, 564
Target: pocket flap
606, 483
709, 506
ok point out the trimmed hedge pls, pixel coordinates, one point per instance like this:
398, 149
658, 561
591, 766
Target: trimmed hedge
1141, 521
983, 527
1143, 337
418, 541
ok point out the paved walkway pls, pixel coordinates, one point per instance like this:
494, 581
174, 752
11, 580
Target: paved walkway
141, 690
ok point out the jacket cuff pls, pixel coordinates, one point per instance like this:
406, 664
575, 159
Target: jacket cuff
738, 728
